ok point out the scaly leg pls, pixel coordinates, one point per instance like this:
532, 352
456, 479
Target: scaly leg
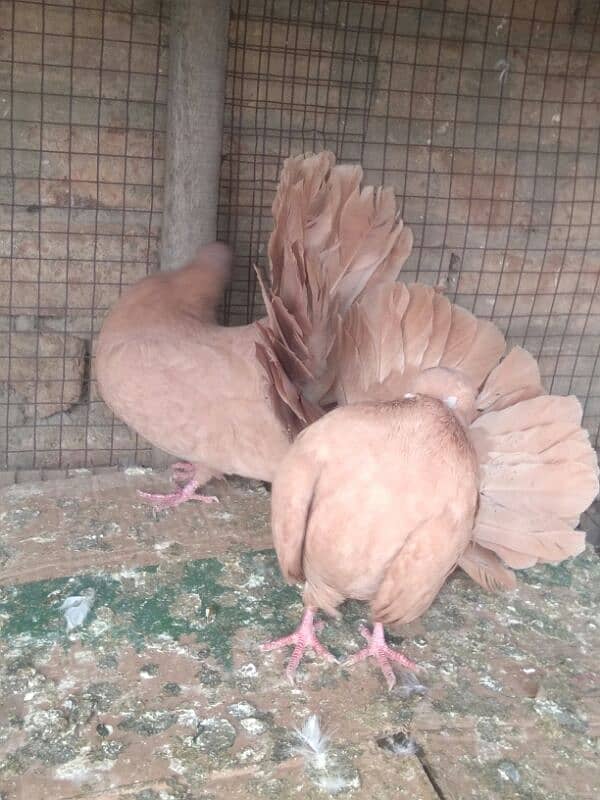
184, 472
304, 636
379, 649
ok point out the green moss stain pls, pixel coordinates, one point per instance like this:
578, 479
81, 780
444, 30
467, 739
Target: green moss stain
481, 655
214, 599
33, 608
143, 605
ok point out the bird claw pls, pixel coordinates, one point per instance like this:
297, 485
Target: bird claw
304, 636
187, 492
380, 650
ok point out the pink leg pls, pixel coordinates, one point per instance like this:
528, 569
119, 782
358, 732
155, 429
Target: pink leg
304, 636
378, 648
184, 472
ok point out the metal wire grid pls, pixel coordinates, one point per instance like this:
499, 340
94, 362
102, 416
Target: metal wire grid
83, 99
300, 77
483, 114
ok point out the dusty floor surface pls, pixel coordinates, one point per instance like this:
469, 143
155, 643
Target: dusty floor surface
162, 693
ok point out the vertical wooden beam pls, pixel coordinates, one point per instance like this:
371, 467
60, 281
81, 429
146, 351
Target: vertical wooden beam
197, 64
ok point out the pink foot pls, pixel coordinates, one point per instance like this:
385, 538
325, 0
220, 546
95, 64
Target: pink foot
378, 648
181, 472
304, 636
181, 495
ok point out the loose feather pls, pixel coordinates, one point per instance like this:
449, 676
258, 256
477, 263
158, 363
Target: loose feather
313, 741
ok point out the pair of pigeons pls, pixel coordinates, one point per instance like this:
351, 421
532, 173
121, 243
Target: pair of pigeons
401, 439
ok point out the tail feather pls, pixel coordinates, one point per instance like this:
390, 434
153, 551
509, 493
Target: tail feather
460, 338
540, 441
519, 538
487, 346
382, 309
574, 449
486, 569
300, 207
529, 549
417, 324
292, 406
358, 358
565, 489
391, 304
367, 234
538, 470
533, 413
442, 322
516, 378
514, 559
472, 346
388, 270
413, 329
331, 240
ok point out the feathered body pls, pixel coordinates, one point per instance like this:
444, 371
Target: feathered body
447, 451
376, 502
187, 385
444, 454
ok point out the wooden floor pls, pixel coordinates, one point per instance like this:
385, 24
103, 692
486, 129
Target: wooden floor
162, 693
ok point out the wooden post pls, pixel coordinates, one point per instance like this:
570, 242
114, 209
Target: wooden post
197, 64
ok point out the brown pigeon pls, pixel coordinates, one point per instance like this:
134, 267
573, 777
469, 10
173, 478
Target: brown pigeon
444, 455
220, 397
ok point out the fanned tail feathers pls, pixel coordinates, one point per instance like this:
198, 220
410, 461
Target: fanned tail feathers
394, 333
330, 243
538, 471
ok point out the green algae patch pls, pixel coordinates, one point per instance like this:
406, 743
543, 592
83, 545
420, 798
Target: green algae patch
151, 603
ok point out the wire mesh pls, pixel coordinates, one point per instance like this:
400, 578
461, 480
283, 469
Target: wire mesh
482, 114
83, 116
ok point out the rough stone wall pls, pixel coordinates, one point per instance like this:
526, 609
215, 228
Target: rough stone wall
82, 120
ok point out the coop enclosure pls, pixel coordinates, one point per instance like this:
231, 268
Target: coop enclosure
483, 115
